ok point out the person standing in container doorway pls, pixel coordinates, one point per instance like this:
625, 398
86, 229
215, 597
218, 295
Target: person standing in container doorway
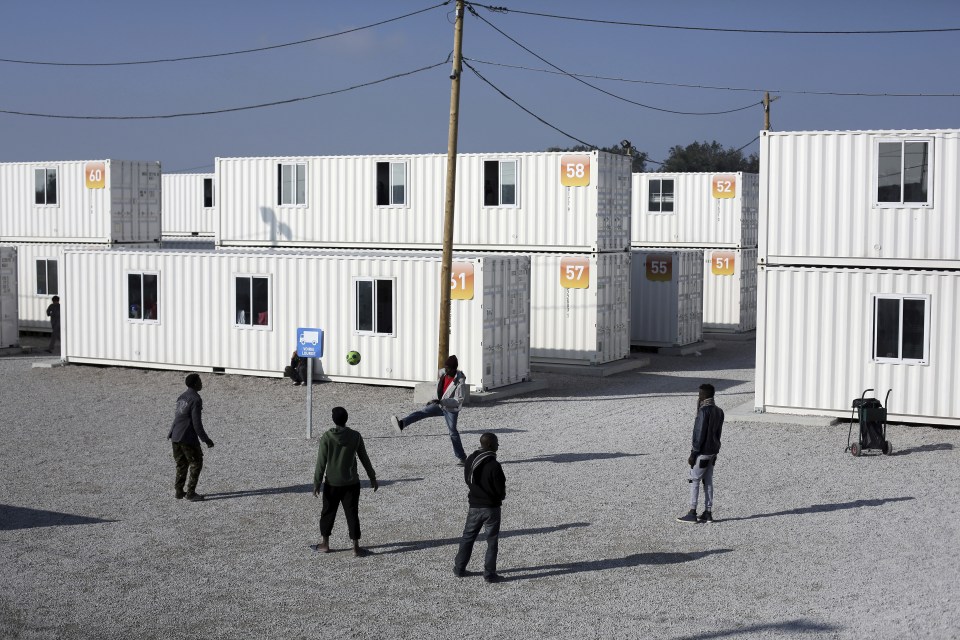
703, 454
451, 388
186, 434
53, 312
336, 479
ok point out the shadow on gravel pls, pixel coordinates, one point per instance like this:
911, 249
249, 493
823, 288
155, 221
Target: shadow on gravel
574, 457
419, 545
790, 627
443, 434
633, 560
821, 508
942, 446
646, 385
24, 518
294, 488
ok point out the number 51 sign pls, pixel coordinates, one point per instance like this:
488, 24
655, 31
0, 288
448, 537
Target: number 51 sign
461, 281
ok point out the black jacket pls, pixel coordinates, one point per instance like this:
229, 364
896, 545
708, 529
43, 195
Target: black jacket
187, 424
706, 431
484, 476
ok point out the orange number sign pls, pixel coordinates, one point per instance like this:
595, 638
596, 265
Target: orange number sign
575, 170
575, 273
659, 267
461, 281
722, 263
95, 175
724, 186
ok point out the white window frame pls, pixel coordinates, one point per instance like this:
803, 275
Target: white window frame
925, 360
876, 174
483, 179
306, 184
126, 280
203, 193
356, 307
391, 184
47, 260
270, 307
46, 202
660, 202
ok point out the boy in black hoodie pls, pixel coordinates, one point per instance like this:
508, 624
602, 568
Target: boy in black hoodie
484, 476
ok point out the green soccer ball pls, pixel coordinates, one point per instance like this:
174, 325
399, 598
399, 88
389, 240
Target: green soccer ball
353, 357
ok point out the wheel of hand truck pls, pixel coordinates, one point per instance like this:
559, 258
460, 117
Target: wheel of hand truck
855, 450
887, 448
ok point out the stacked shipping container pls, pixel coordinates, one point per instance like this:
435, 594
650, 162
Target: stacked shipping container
189, 216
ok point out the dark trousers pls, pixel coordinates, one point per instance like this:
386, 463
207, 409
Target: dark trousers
489, 520
187, 456
333, 497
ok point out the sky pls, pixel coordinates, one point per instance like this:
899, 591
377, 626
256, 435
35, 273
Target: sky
410, 114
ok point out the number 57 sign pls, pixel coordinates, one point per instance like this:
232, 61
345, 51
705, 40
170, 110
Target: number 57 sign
574, 273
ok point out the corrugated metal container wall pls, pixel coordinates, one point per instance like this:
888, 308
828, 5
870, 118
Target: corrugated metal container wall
580, 306
85, 201
40, 273
339, 203
666, 297
820, 200
815, 343
198, 327
184, 213
9, 324
730, 290
702, 212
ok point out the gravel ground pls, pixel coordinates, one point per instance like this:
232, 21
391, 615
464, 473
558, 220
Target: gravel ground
809, 543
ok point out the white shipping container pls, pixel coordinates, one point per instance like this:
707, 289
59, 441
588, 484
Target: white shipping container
860, 198
238, 312
666, 297
505, 201
188, 205
729, 290
9, 325
580, 306
40, 274
827, 334
695, 209
104, 201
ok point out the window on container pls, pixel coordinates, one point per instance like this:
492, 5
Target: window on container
903, 172
291, 184
500, 183
252, 301
46, 277
661, 196
391, 183
374, 307
45, 186
207, 193
901, 327
143, 297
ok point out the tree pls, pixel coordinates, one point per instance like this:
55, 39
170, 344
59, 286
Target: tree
639, 157
709, 157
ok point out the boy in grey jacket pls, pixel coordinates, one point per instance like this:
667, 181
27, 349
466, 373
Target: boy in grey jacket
703, 454
451, 388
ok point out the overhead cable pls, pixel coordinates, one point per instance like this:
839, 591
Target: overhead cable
227, 110
221, 55
647, 25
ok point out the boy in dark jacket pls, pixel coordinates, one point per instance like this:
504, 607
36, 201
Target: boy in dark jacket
186, 433
703, 454
337, 458
487, 484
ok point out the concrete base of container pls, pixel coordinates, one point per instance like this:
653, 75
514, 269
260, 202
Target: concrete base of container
593, 370
685, 350
426, 391
49, 364
744, 336
747, 413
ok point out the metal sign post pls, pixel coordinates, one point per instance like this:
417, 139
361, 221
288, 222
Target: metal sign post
309, 346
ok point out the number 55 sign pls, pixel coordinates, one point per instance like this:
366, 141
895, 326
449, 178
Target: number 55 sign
461, 281
659, 267
574, 273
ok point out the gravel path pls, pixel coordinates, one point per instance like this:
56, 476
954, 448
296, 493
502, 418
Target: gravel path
809, 543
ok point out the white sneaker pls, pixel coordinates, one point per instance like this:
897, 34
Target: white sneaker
395, 421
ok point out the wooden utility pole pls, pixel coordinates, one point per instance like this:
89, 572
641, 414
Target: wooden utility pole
443, 348
766, 109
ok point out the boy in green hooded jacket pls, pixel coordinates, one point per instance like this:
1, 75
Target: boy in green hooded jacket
340, 447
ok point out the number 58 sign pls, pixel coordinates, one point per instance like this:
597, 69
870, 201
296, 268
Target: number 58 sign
575, 170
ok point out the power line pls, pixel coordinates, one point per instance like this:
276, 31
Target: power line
718, 88
203, 166
220, 55
648, 25
228, 110
604, 91
501, 92
748, 144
